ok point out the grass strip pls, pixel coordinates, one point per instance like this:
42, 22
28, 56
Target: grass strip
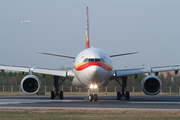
79, 114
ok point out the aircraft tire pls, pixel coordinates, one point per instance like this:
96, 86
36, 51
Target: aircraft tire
52, 94
118, 95
90, 97
61, 95
95, 97
127, 96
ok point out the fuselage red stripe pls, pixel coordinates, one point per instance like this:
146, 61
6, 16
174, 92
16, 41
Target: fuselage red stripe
88, 64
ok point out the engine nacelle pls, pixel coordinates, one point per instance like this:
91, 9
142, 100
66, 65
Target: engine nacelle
151, 85
30, 84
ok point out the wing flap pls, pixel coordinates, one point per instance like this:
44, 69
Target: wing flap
14, 68
128, 72
20, 69
165, 68
50, 72
55, 72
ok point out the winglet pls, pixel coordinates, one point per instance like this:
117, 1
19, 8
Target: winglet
87, 28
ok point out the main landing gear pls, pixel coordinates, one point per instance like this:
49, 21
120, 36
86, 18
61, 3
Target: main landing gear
124, 93
56, 85
92, 90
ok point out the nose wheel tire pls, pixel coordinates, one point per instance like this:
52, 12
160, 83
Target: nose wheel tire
95, 97
90, 97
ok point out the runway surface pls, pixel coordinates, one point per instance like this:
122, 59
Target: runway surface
104, 102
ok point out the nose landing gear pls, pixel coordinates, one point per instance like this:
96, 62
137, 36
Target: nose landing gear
93, 96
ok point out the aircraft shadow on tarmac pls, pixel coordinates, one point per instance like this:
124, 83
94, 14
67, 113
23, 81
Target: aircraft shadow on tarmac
105, 98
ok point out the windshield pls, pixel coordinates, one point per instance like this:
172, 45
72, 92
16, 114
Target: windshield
93, 60
97, 60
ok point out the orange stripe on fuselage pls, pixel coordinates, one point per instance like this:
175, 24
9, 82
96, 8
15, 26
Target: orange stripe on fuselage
85, 65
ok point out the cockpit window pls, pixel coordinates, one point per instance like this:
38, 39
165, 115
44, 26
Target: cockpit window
91, 60
85, 60
97, 60
102, 60
94, 60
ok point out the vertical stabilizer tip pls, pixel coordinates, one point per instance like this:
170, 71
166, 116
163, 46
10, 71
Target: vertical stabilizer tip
87, 28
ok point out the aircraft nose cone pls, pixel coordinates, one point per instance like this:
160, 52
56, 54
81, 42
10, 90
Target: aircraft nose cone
95, 74
94, 69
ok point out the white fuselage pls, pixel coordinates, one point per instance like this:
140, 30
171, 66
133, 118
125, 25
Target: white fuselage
93, 66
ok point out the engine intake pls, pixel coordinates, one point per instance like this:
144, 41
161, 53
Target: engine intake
30, 84
151, 85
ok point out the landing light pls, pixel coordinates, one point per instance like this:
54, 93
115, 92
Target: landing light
93, 86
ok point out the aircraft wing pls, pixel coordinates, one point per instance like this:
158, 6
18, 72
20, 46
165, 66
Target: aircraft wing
128, 72
55, 72
123, 54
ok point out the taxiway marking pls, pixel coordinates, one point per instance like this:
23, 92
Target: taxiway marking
20, 101
154, 102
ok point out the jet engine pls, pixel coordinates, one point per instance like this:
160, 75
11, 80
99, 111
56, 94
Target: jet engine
30, 84
151, 85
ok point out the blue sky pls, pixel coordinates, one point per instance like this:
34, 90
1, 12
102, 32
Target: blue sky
150, 27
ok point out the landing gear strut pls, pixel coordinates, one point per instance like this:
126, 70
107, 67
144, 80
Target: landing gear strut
56, 85
124, 93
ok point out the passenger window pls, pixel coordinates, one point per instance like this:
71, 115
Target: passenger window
85, 60
97, 60
91, 60
102, 60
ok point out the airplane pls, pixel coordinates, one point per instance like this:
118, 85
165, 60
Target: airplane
93, 68
28, 21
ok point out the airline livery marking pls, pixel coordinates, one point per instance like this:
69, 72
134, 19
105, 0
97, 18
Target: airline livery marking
85, 65
87, 29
